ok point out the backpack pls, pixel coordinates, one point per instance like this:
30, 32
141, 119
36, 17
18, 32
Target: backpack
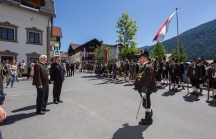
19, 65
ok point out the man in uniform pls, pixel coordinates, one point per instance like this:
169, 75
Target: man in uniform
181, 70
165, 71
200, 63
174, 74
145, 84
41, 81
195, 75
158, 72
212, 78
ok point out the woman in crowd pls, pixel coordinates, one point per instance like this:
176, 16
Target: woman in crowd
12, 72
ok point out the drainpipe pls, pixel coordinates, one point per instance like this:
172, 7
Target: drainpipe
48, 40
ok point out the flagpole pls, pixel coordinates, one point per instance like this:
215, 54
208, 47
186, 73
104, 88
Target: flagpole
178, 41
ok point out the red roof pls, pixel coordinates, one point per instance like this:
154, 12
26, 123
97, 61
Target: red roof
63, 55
56, 31
74, 46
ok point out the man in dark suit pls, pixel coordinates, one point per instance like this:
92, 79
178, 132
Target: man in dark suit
41, 81
72, 69
145, 84
57, 78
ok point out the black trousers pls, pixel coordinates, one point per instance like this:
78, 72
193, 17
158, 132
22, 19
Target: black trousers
57, 90
29, 71
213, 83
148, 100
174, 79
158, 77
68, 72
42, 97
195, 82
72, 72
181, 78
165, 74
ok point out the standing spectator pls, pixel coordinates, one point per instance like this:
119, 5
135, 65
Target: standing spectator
72, 69
29, 69
16, 77
6, 70
32, 71
12, 74
57, 78
1, 77
22, 67
40, 80
68, 69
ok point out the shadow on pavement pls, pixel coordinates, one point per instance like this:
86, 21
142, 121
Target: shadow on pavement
129, 84
212, 103
130, 132
28, 108
168, 93
190, 98
15, 118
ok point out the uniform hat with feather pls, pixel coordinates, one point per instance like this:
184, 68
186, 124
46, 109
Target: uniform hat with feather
214, 61
173, 59
164, 58
145, 53
194, 59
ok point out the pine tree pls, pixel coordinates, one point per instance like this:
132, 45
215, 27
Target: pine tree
158, 51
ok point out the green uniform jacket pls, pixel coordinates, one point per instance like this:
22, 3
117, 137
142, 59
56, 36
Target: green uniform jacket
1, 71
147, 80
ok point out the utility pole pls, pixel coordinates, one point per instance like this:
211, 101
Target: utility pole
178, 41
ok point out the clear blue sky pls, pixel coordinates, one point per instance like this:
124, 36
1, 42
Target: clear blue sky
83, 20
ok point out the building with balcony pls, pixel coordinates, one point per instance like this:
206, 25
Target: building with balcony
25, 28
85, 52
55, 41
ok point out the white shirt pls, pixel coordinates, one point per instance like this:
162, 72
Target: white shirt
22, 65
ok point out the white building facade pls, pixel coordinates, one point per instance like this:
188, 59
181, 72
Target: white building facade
24, 31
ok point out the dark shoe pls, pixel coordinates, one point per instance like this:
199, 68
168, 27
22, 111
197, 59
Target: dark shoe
197, 94
176, 90
179, 86
45, 110
55, 102
148, 119
183, 88
172, 89
59, 101
40, 113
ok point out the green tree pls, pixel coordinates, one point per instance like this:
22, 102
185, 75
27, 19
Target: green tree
99, 52
127, 30
158, 51
183, 55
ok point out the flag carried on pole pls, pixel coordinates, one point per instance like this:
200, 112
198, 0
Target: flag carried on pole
106, 59
163, 29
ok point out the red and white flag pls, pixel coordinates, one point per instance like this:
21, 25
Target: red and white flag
163, 29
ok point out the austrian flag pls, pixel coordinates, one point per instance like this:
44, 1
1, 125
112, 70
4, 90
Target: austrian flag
163, 29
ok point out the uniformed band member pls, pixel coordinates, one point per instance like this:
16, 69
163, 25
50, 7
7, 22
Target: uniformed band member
165, 71
203, 73
174, 73
158, 72
195, 75
212, 78
41, 81
145, 84
181, 74
126, 68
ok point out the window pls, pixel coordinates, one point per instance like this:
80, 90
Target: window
33, 59
8, 32
34, 36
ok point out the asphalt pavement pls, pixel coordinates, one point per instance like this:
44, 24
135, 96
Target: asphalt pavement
100, 108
